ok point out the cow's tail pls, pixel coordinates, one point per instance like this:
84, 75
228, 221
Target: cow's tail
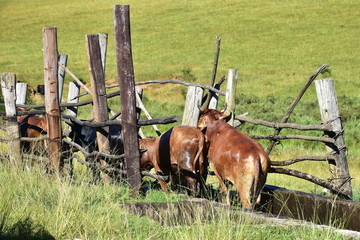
198, 162
258, 170
197, 159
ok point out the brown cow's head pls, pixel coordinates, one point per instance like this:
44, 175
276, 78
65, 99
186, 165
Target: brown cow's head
211, 115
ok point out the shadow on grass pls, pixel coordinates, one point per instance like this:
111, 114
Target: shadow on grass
23, 229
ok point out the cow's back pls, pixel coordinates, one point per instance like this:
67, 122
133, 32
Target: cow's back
184, 142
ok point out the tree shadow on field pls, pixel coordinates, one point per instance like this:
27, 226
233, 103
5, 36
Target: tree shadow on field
23, 229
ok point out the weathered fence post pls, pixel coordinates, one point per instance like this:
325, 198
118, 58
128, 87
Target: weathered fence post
231, 94
21, 91
52, 105
100, 107
191, 110
8, 91
127, 95
329, 111
61, 74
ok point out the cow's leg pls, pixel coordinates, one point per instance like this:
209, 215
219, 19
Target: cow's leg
175, 176
223, 188
244, 187
161, 182
190, 178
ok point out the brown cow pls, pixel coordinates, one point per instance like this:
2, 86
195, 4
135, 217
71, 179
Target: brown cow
146, 159
178, 152
156, 157
234, 157
32, 126
187, 157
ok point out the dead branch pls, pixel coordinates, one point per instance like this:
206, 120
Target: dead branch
164, 120
182, 83
94, 153
336, 189
109, 169
276, 125
302, 158
309, 138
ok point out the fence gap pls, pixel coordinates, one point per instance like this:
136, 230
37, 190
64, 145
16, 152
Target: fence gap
8, 81
141, 106
100, 107
127, 95
191, 110
325, 90
52, 105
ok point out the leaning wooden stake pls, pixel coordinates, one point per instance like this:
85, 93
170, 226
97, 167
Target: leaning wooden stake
293, 105
8, 81
128, 96
213, 76
52, 105
99, 95
329, 111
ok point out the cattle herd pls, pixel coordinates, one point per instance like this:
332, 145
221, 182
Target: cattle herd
183, 152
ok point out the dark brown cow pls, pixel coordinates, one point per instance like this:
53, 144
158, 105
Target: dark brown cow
178, 152
234, 157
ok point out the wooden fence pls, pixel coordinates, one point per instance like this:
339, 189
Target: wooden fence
55, 69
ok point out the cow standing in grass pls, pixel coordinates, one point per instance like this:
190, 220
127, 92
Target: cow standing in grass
235, 157
179, 152
188, 158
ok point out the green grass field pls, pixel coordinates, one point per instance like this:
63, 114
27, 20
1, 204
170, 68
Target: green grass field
275, 45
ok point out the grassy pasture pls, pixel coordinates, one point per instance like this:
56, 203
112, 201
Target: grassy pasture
275, 45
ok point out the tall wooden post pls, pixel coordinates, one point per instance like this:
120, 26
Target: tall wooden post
325, 89
100, 105
52, 105
191, 110
8, 81
231, 94
127, 94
